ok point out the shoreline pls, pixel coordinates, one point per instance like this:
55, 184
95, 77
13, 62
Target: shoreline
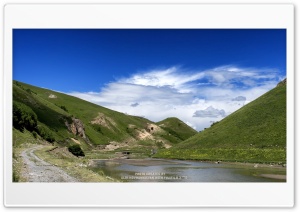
256, 164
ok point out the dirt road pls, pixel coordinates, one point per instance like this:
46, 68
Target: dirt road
37, 170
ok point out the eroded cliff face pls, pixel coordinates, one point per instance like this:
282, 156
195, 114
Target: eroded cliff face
76, 127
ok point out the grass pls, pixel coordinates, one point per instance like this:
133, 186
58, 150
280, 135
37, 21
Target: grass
251, 155
137, 152
178, 129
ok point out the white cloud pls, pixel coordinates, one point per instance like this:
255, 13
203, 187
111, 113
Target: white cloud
172, 77
195, 97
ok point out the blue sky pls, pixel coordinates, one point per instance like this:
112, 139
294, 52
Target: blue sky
197, 75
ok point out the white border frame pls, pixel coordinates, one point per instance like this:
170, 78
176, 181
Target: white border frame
147, 16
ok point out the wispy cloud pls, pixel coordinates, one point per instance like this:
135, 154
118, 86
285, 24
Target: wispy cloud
134, 104
172, 77
195, 96
209, 112
239, 98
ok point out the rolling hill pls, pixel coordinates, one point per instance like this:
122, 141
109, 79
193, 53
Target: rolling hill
176, 128
254, 133
65, 120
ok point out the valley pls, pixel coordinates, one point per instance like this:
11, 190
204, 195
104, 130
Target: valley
60, 138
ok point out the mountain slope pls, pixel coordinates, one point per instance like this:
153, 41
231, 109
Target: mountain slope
254, 133
177, 128
68, 119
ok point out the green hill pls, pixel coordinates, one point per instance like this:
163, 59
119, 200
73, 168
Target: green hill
65, 120
254, 133
176, 128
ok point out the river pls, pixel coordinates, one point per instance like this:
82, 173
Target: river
161, 170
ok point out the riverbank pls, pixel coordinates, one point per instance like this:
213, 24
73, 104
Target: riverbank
271, 156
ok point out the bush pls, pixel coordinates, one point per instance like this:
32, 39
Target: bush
76, 150
28, 90
64, 108
46, 133
159, 144
24, 117
34, 134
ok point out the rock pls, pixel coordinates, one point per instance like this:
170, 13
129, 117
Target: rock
256, 166
76, 127
52, 96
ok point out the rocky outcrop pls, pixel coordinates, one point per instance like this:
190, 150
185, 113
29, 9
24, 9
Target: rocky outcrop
104, 121
76, 127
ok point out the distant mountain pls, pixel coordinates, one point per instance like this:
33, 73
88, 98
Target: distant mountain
176, 128
65, 120
254, 133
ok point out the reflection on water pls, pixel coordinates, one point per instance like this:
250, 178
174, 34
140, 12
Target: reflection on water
159, 170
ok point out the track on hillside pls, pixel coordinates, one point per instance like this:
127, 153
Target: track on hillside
37, 170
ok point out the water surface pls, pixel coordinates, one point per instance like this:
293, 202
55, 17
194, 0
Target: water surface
161, 170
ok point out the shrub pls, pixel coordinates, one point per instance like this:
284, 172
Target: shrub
46, 133
34, 134
64, 108
28, 90
159, 144
24, 117
76, 150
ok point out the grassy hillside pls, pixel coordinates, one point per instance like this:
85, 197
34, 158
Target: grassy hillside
176, 128
254, 133
102, 127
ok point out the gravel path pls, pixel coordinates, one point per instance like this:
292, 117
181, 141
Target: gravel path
37, 170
